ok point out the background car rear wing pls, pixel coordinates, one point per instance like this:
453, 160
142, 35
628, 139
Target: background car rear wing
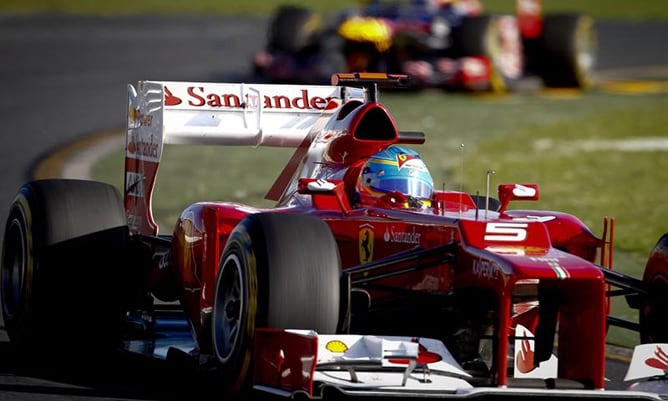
213, 113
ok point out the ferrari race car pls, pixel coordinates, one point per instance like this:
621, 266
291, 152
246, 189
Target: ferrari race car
446, 44
362, 280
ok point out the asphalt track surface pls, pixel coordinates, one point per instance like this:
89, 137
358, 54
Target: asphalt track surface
64, 78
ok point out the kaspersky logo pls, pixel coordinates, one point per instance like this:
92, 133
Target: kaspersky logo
366, 243
200, 96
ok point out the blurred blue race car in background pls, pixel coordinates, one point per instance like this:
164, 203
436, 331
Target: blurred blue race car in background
449, 44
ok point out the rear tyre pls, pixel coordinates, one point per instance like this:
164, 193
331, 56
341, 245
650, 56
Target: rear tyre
279, 271
652, 316
329, 59
567, 51
292, 29
60, 284
496, 39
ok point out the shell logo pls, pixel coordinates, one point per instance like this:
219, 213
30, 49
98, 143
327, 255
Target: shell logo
336, 346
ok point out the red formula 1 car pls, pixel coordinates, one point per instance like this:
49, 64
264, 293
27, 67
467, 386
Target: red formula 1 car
362, 280
448, 44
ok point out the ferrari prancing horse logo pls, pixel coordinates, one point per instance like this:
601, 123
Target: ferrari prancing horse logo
366, 243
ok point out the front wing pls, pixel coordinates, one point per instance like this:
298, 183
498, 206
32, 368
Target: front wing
290, 363
304, 364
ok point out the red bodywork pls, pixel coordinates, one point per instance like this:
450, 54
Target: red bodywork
579, 284
518, 258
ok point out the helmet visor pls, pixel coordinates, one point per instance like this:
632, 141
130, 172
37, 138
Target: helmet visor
413, 187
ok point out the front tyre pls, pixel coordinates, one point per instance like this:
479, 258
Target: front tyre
653, 313
277, 270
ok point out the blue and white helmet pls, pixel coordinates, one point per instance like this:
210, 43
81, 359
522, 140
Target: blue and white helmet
396, 169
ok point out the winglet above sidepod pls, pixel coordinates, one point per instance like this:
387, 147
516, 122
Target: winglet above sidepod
510, 192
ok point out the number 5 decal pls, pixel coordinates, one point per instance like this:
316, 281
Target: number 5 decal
506, 232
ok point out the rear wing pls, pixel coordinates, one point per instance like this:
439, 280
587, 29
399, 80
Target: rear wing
235, 114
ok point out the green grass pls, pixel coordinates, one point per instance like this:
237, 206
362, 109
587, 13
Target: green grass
645, 10
617, 9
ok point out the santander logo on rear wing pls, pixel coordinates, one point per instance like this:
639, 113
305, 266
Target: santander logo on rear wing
224, 114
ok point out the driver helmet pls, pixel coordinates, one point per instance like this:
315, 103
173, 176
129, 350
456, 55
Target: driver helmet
396, 169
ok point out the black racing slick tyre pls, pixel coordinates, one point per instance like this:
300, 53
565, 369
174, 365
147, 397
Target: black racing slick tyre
653, 314
62, 243
567, 51
292, 29
278, 271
